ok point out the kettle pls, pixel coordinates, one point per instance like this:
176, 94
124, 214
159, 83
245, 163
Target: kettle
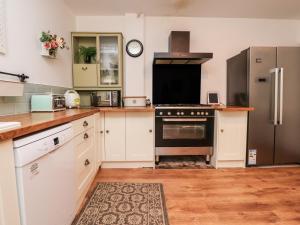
72, 99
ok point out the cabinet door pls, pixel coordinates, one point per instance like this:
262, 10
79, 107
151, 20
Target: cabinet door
111, 69
232, 135
115, 136
100, 138
139, 136
85, 75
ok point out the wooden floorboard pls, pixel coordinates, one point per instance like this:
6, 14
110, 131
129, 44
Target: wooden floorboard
253, 196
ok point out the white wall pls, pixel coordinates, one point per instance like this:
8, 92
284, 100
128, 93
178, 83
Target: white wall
24, 22
224, 37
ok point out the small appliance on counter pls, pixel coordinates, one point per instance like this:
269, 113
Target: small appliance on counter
72, 99
134, 101
48, 103
106, 98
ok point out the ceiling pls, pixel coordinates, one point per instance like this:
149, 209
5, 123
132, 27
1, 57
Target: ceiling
280, 9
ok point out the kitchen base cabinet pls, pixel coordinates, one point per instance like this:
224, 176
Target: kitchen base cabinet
99, 138
115, 136
85, 150
230, 139
129, 140
139, 136
9, 208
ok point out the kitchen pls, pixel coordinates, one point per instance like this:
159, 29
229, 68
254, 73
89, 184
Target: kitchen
224, 37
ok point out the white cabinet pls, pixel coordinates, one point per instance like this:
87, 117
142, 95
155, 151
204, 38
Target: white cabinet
230, 139
9, 208
139, 136
128, 139
99, 138
86, 155
115, 136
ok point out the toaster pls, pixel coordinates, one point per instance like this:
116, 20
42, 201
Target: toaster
48, 103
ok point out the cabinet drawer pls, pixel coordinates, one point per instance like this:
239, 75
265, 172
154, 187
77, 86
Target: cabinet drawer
84, 169
83, 141
85, 75
83, 124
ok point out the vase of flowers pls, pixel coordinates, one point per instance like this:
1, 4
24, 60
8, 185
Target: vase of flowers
50, 44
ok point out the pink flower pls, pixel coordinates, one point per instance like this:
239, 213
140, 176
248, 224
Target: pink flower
47, 45
54, 44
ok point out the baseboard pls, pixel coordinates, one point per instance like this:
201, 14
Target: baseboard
230, 164
125, 165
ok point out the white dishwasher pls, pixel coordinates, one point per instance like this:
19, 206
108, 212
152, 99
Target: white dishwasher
45, 169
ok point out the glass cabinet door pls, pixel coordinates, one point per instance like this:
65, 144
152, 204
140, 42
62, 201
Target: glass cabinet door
110, 68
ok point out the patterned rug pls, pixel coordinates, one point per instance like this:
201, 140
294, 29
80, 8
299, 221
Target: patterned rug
125, 204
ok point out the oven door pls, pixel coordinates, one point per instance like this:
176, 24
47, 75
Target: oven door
184, 132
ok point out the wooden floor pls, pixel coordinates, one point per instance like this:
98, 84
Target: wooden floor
223, 197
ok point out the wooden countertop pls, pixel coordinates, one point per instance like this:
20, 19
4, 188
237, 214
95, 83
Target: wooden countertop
233, 108
126, 109
34, 122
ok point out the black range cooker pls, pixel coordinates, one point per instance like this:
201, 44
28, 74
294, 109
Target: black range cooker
182, 125
184, 130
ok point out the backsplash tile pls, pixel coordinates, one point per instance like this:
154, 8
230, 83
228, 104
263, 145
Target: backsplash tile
7, 108
21, 104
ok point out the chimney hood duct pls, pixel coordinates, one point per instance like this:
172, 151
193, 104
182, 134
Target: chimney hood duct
179, 51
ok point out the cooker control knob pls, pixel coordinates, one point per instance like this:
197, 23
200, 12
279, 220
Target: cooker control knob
182, 113
198, 113
192, 113
206, 113
178, 113
169, 113
161, 113
202, 113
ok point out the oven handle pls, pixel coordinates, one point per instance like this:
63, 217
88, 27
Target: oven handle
185, 120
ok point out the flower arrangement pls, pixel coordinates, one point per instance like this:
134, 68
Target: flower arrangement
50, 43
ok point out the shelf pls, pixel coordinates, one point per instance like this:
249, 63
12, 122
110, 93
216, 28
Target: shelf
85, 63
11, 88
106, 88
109, 52
110, 69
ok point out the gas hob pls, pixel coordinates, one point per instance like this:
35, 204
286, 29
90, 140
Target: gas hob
184, 111
183, 106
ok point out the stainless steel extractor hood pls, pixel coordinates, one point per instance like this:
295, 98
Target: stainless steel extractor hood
179, 51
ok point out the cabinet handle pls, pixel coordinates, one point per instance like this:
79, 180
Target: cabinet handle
87, 162
85, 123
222, 130
107, 131
84, 68
150, 131
101, 132
85, 136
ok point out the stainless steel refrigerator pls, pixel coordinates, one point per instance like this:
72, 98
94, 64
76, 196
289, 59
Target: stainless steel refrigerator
268, 78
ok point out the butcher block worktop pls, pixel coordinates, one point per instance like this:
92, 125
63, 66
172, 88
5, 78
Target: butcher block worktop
34, 122
233, 108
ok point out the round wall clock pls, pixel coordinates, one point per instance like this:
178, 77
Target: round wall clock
134, 48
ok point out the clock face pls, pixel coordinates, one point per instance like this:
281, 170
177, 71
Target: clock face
134, 48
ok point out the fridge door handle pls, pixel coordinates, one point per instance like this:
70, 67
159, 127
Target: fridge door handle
274, 109
280, 95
